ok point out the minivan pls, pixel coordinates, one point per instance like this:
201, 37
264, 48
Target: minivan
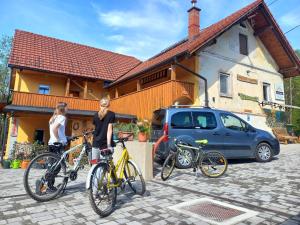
225, 132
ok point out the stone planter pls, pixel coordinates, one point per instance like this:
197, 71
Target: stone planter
123, 134
141, 154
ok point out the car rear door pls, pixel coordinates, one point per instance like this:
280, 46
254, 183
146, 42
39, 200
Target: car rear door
181, 124
237, 139
158, 120
206, 127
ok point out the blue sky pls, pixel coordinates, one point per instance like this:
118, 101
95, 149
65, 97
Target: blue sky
140, 28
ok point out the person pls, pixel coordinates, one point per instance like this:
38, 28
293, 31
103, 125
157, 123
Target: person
56, 144
57, 127
103, 134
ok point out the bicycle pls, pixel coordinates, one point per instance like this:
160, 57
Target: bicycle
47, 174
212, 164
105, 177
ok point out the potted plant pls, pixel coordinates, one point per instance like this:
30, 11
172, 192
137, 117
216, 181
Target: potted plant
6, 164
126, 130
143, 130
16, 163
26, 160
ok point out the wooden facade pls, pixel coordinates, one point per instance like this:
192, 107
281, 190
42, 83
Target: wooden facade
142, 103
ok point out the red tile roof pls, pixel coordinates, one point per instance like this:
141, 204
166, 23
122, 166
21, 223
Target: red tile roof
43, 53
189, 46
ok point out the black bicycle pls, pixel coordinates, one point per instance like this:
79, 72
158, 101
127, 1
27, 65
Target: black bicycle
211, 163
48, 174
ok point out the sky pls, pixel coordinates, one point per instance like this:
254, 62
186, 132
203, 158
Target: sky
140, 28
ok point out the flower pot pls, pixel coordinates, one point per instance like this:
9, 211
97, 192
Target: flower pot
142, 137
15, 164
123, 134
25, 164
6, 164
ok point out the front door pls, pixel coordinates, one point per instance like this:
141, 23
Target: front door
206, 127
237, 139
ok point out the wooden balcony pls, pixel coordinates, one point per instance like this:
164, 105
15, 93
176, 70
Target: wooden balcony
142, 103
50, 101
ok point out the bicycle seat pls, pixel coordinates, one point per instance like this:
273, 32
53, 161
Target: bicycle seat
202, 142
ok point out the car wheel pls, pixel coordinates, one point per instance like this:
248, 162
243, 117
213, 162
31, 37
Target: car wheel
264, 152
184, 159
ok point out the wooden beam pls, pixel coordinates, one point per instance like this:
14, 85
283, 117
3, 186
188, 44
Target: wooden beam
138, 85
116, 93
67, 87
262, 30
173, 72
75, 82
85, 90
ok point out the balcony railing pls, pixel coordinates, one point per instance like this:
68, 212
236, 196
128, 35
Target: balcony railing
50, 101
143, 103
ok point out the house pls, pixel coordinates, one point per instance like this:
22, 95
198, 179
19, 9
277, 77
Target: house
232, 65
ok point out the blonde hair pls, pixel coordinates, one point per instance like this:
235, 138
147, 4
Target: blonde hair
59, 110
104, 104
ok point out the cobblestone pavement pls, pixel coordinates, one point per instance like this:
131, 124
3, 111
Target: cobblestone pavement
272, 189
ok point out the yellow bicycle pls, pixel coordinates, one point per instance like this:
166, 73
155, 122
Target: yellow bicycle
105, 177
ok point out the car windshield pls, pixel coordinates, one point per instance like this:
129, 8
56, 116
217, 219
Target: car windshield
158, 119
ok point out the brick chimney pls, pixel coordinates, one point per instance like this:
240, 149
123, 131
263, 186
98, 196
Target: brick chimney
194, 20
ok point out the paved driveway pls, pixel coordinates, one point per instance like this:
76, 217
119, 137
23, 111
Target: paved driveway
271, 189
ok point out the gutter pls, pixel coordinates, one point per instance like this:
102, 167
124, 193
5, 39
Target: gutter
197, 75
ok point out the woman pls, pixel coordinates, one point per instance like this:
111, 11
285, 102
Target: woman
57, 141
103, 134
57, 126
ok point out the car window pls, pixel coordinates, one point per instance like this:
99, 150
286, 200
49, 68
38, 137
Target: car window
182, 120
158, 119
205, 120
232, 122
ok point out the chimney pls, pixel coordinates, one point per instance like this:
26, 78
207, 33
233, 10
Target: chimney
194, 20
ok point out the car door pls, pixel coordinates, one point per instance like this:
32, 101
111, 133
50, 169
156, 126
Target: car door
237, 139
206, 127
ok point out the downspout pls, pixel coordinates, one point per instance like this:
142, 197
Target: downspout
197, 75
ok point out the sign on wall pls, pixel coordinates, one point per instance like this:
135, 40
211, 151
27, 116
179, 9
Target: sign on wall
279, 92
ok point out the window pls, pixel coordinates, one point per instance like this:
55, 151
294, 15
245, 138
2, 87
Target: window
182, 120
205, 120
233, 123
44, 89
39, 136
243, 44
224, 84
243, 24
266, 92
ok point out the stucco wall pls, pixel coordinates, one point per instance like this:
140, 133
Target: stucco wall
224, 56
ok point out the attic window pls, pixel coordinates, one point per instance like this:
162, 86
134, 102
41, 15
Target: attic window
243, 25
243, 44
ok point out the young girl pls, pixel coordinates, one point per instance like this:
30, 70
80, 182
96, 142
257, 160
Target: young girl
103, 134
57, 126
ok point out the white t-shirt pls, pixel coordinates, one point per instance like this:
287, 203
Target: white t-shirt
59, 119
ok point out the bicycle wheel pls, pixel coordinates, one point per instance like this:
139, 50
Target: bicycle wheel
44, 178
213, 164
134, 178
102, 197
168, 166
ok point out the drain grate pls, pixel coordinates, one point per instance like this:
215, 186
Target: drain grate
214, 212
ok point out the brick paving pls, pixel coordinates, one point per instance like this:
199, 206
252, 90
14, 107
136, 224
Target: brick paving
272, 189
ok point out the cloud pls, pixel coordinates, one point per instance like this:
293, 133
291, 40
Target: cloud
144, 30
290, 19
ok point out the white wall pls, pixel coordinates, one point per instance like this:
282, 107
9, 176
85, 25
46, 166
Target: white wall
224, 56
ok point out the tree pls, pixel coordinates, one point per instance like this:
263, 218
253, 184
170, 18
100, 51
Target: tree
5, 46
292, 90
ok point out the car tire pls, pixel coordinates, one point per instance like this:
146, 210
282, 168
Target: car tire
181, 163
264, 152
